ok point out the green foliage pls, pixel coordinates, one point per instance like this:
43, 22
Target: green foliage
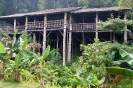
115, 24
97, 3
120, 71
2, 49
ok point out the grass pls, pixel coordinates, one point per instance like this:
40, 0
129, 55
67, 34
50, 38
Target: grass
126, 83
6, 84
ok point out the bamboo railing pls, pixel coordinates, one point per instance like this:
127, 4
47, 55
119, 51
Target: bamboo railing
52, 24
84, 26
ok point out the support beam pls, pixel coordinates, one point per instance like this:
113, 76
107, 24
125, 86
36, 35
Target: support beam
44, 33
70, 39
34, 40
57, 43
26, 23
125, 33
83, 38
14, 24
110, 36
96, 35
64, 39
34, 22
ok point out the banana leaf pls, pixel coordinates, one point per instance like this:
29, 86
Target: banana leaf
126, 57
2, 48
119, 71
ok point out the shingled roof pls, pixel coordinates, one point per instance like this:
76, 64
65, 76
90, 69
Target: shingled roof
48, 11
84, 10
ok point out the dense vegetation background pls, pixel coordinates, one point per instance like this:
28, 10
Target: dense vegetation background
19, 6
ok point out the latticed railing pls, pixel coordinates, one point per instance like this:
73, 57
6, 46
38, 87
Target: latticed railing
20, 28
55, 24
8, 29
84, 26
50, 24
37, 24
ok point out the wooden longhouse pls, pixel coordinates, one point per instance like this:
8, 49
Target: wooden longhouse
63, 28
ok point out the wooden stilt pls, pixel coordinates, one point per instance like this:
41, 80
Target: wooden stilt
72, 48
26, 23
39, 42
110, 36
34, 22
57, 42
96, 35
14, 24
70, 39
113, 35
83, 38
64, 39
125, 33
34, 40
47, 40
44, 33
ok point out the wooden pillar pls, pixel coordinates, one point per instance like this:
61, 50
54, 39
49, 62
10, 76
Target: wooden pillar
83, 38
110, 36
26, 23
125, 33
44, 33
34, 40
96, 35
70, 39
64, 39
34, 22
14, 24
113, 35
57, 42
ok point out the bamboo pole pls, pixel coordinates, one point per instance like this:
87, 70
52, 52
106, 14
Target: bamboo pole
70, 39
26, 22
125, 33
96, 33
14, 24
64, 39
44, 33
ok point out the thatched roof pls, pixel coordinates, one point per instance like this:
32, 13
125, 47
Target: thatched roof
85, 10
48, 11
62, 10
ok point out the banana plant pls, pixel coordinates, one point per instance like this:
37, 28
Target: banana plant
41, 61
20, 61
125, 65
3, 54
